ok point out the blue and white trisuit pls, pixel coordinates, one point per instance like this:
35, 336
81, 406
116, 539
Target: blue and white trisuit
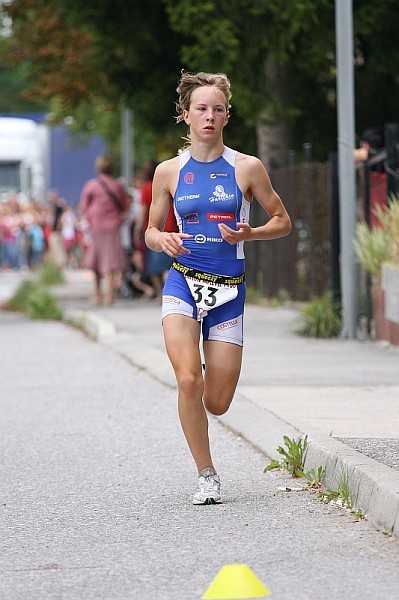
207, 194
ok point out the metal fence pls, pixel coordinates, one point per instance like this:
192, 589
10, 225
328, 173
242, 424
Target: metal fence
299, 264
306, 263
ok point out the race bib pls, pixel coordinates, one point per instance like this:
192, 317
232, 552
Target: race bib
210, 295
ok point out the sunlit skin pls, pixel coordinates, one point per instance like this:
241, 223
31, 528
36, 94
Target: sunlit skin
213, 392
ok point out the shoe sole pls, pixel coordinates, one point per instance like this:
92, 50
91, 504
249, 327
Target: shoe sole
207, 502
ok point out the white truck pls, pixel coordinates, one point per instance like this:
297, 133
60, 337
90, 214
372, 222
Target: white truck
22, 158
35, 157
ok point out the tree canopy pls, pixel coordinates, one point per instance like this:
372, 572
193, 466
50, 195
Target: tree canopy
87, 59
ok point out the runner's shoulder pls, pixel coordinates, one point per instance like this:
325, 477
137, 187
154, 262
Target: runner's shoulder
248, 161
249, 169
166, 174
168, 167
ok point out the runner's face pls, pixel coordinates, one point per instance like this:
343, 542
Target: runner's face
207, 114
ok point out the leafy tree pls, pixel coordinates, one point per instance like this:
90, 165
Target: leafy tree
90, 58
237, 37
256, 42
82, 52
14, 82
377, 62
376, 73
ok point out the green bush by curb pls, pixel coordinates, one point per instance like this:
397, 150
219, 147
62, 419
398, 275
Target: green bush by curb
35, 300
51, 274
321, 318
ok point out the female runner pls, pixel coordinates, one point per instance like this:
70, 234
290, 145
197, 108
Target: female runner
211, 187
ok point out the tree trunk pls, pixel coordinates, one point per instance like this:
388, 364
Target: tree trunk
273, 130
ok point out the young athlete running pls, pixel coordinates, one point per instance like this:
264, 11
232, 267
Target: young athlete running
211, 187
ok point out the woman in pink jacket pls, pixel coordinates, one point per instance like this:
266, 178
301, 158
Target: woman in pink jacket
104, 202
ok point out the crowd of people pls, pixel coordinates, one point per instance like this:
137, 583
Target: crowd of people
117, 218
28, 231
31, 232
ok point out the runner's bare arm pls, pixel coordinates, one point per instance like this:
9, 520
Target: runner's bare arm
254, 182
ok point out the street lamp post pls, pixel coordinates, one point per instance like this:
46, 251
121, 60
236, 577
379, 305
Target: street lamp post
127, 145
346, 169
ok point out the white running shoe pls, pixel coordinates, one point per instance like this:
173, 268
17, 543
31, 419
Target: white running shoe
208, 491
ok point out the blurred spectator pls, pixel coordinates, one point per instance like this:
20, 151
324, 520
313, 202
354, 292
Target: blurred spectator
68, 235
83, 240
57, 206
104, 201
13, 247
371, 143
16, 223
139, 279
37, 242
9, 247
56, 249
157, 263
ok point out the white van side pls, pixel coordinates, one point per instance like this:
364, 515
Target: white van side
22, 158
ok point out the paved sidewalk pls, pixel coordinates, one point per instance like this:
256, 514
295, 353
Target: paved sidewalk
343, 394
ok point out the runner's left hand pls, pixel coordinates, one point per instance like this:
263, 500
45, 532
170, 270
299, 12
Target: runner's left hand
233, 236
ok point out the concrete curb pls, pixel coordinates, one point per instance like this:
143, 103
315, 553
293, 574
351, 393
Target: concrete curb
374, 486
94, 326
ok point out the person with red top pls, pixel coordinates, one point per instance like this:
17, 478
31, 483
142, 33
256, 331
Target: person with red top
371, 144
104, 201
157, 263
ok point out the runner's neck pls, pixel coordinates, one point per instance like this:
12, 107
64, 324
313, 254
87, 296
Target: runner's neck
205, 153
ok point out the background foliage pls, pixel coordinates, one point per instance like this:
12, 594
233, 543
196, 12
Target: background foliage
87, 59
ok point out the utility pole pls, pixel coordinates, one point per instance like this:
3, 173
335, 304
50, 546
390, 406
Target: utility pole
346, 169
127, 145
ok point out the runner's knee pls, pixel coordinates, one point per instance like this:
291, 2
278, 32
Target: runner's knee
191, 384
217, 406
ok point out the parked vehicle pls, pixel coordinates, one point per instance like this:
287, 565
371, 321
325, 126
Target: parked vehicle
35, 157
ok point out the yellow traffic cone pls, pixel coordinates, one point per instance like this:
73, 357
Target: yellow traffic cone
235, 582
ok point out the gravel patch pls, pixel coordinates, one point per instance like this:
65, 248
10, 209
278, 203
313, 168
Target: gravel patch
383, 450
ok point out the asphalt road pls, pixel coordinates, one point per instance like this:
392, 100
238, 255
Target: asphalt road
96, 488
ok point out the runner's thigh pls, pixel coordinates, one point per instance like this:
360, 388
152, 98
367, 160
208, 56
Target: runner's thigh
225, 323
222, 371
182, 334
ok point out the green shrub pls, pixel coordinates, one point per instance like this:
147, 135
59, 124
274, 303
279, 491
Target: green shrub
320, 318
389, 219
293, 456
253, 295
19, 301
35, 300
375, 246
371, 247
42, 305
282, 299
51, 274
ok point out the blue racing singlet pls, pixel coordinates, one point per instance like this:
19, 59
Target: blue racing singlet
207, 194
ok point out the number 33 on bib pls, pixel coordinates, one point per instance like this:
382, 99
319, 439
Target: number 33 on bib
210, 295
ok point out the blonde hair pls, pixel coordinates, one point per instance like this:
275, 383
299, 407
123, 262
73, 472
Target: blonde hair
191, 81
